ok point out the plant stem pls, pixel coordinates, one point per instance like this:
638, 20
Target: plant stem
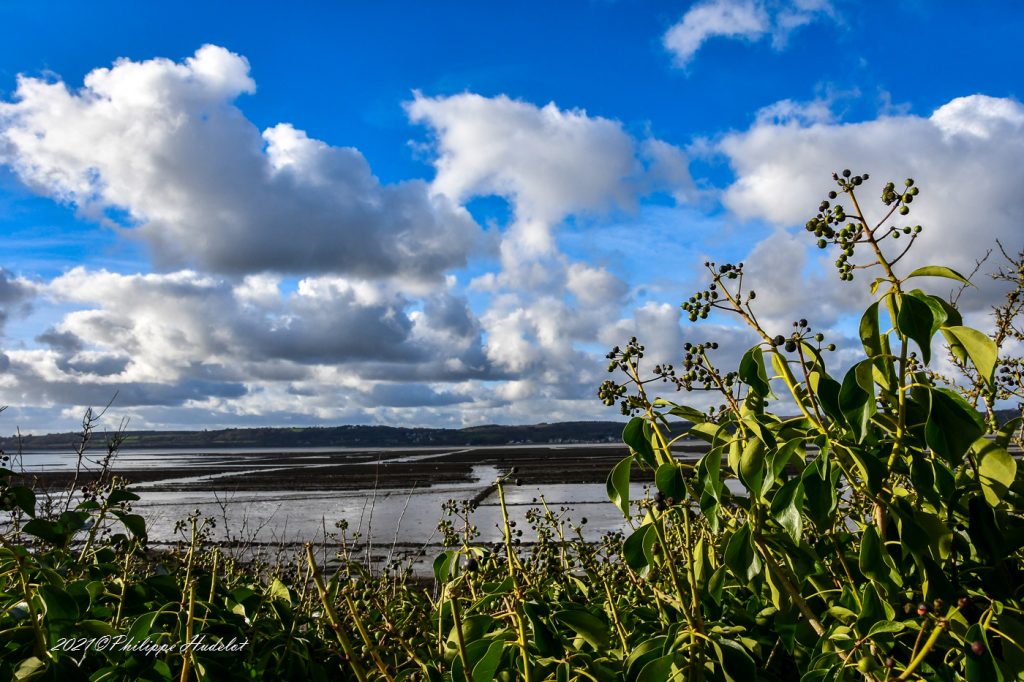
790, 589
332, 616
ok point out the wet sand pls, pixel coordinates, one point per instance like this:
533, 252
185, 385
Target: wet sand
535, 464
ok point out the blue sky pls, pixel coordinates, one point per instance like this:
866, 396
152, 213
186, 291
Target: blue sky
441, 213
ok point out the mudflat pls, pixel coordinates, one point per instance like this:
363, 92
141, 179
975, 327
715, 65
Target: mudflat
352, 470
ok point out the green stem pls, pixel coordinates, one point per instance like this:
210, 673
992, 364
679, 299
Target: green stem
332, 616
513, 564
790, 589
925, 650
457, 617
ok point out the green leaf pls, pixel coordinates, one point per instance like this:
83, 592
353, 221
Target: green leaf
874, 561
876, 346
857, 397
915, 321
278, 590
938, 271
485, 668
24, 498
51, 531
669, 480
59, 604
690, 414
442, 564
636, 550
634, 435
544, 638
659, 670
828, 389
938, 307
586, 625
983, 667
740, 556
778, 461
135, 524
819, 484
970, 343
642, 654
752, 371
786, 507
121, 495
870, 331
30, 668
1006, 431
618, 484
96, 628
737, 664
996, 470
953, 425
705, 431
886, 627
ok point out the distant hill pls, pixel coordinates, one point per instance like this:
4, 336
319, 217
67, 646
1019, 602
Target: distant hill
342, 436
357, 436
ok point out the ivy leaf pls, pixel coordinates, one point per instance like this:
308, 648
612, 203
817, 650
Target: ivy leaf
442, 564
636, 550
740, 556
488, 664
134, 523
970, 343
876, 346
857, 397
828, 389
737, 664
939, 271
996, 470
635, 436
586, 625
618, 484
786, 507
690, 414
669, 480
915, 320
980, 667
60, 606
752, 371
953, 425
870, 332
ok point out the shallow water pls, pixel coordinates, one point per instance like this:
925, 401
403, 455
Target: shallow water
405, 520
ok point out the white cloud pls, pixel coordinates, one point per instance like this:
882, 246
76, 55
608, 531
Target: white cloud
749, 20
549, 162
166, 144
964, 157
546, 311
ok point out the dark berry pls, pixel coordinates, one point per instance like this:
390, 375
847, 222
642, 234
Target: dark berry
977, 647
922, 609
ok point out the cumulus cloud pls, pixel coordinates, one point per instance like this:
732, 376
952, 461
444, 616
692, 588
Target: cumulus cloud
184, 338
546, 310
549, 162
749, 20
165, 144
964, 156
